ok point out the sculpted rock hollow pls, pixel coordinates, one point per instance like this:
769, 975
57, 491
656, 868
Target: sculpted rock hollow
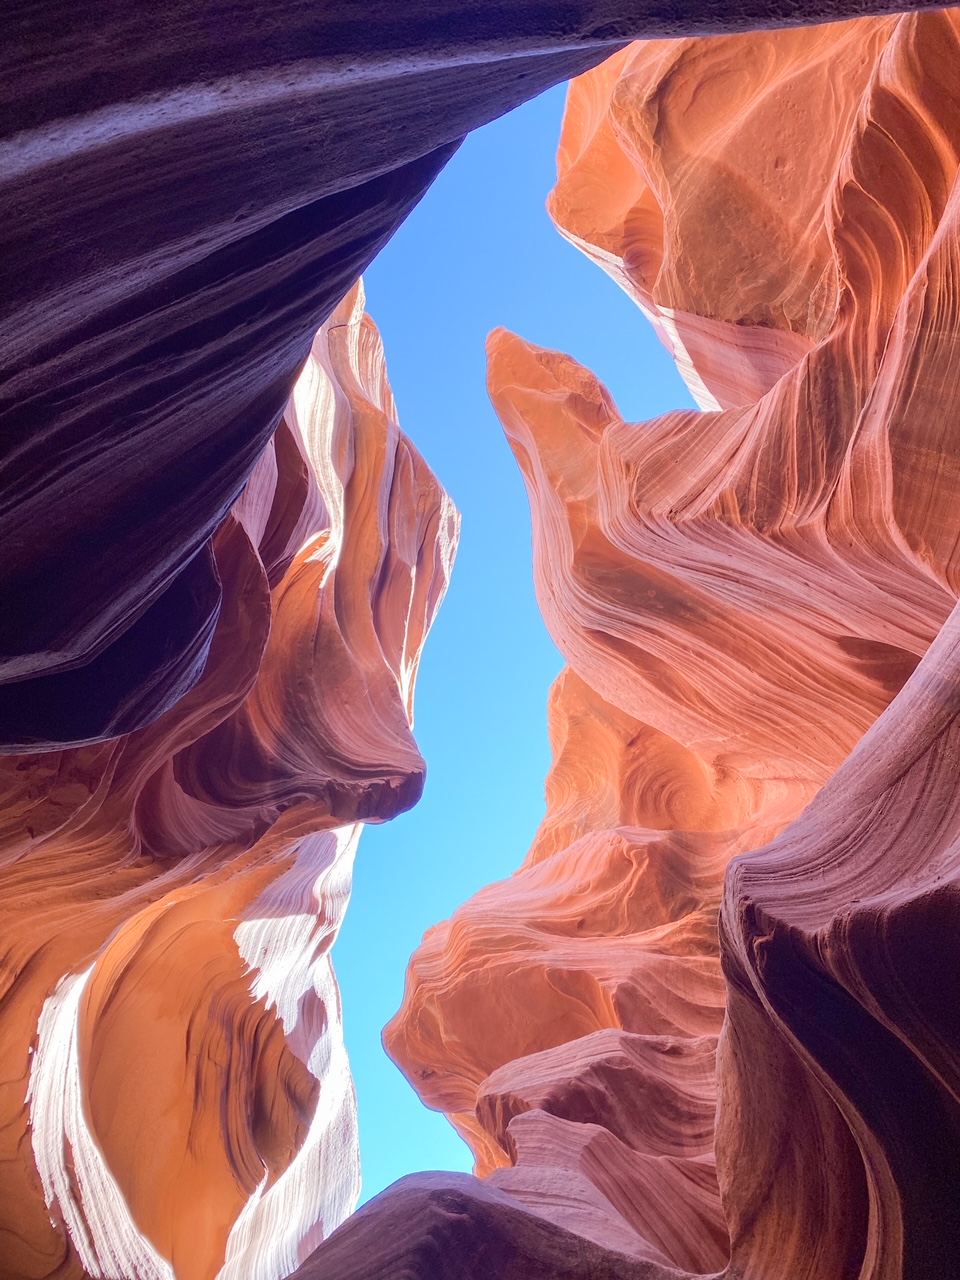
176, 1099
756, 728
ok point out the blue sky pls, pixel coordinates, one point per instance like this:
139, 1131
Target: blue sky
478, 252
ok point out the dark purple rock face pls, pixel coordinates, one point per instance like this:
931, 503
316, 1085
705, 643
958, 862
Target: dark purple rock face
449, 1226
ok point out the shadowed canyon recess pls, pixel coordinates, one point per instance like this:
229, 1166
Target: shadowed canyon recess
709, 1027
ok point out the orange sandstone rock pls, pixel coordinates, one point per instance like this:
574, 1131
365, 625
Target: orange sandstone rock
176, 1099
739, 593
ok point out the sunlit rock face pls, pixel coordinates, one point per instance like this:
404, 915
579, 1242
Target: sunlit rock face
186, 193
176, 1099
709, 1025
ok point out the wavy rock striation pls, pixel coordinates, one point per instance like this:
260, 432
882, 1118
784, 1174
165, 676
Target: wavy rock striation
175, 1097
757, 726
185, 195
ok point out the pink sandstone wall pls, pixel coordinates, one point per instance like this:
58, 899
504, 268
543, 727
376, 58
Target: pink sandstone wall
740, 594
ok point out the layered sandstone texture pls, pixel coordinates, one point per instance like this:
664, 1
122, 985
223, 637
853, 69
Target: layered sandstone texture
175, 1097
186, 192
709, 1026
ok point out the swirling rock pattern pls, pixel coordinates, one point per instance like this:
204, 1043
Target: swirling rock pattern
175, 1096
185, 195
757, 727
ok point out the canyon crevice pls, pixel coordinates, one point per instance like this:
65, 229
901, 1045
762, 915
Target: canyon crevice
708, 1027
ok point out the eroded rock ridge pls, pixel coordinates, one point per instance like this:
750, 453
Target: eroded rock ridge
176, 1098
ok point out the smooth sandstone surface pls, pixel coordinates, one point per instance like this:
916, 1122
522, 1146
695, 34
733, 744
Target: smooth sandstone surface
708, 1026
176, 1099
186, 193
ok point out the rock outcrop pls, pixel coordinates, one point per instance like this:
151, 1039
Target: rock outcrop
175, 1098
708, 1026
185, 195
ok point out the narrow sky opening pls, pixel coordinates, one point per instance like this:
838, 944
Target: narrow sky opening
478, 252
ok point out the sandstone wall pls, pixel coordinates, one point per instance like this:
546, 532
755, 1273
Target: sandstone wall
175, 1097
756, 728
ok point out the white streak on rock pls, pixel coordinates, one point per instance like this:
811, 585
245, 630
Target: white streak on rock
76, 1181
286, 940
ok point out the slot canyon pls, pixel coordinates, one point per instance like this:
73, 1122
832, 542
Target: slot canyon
705, 1029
